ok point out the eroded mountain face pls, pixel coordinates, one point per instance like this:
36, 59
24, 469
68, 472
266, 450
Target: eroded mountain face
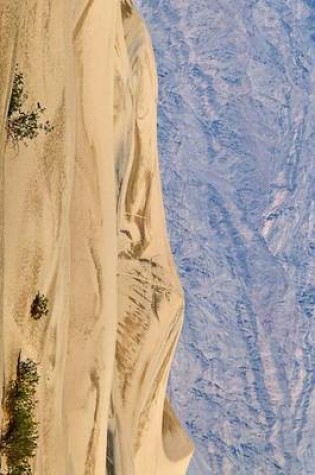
84, 247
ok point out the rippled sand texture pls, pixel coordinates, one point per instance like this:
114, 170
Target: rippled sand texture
150, 295
63, 197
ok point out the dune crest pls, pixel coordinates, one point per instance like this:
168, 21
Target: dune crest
82, 221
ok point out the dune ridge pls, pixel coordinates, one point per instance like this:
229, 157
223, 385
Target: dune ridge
82, 221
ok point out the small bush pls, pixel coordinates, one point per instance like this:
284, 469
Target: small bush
19, 442
39, 306
18, 96
24, 124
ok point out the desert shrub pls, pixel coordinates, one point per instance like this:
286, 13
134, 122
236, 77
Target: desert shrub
18, 96
19, 442
39, 306
22, 123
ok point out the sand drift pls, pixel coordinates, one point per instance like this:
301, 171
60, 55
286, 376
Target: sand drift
91, 305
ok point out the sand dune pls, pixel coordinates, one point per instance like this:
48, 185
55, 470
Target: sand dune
115, 303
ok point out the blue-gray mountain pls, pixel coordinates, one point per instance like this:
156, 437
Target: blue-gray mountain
237, 150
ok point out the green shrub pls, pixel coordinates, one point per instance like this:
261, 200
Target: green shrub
19, 442
39, 306
22, 123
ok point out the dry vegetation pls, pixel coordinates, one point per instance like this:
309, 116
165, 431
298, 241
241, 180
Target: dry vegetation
19, 440
24, 123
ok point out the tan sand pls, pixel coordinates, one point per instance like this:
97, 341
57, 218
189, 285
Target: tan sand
105, 350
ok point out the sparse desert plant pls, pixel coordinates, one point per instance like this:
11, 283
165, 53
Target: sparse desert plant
18, 96
19, 441
22, 123
39, 307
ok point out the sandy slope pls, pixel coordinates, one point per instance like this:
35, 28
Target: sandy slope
9, 23
64, 196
